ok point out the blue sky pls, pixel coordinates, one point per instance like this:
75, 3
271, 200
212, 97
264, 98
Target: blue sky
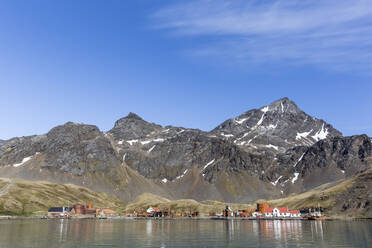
185, 63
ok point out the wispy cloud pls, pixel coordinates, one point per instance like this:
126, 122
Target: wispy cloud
335, 33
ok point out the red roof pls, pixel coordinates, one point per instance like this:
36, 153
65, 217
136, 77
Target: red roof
281, 210
294, 211
269, 210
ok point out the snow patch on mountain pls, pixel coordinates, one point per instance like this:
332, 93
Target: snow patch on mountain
276, 182
294, 179
299, 159
272, 146
183, 174
131, 142
321, 134
244, 135
241, 121
303, 135
208, 164
152, 148
145, 142
24, 160
249, 141
265, 109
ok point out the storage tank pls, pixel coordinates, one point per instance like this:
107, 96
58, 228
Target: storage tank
262, 207
79, 209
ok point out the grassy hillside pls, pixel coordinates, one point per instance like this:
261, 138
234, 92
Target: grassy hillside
146, 200
21, 197
349, 198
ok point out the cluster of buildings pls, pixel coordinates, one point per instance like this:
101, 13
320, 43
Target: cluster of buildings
263, 210
80, 210
165, 212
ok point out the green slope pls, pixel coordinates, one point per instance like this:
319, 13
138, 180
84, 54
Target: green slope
21, 197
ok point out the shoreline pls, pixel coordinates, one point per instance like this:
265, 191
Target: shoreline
180, 218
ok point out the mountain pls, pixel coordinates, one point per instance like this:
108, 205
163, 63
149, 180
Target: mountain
73, 153
343, 198
278, 126
264, 153
326, 161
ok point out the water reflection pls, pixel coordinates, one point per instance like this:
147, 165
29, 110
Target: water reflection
317, 230
184, 233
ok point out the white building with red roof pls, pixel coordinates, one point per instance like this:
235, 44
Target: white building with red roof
281, 212
152, 210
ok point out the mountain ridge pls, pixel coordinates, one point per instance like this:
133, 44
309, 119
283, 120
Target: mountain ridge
279, 157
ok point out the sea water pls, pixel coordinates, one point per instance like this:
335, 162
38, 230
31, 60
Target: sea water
184, 233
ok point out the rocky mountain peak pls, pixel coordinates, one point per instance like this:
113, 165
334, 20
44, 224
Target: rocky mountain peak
72, 131
132, 127
276, 127
282, 105
134, 116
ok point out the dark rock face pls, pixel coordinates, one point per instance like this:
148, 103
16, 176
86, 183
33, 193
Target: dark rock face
348, 155
132, 127
356, 199
75, 148
69, 148
13, 151
267, 152
303, 168
171, 157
